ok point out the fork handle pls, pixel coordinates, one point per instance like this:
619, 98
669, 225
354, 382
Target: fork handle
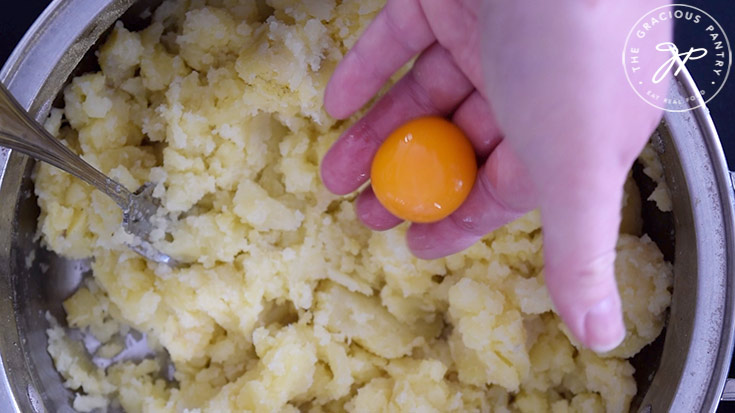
20, 132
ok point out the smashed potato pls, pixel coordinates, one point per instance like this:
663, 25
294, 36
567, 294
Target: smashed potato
291, 304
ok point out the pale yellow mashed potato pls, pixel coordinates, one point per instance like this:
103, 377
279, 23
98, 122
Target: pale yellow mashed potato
293, 305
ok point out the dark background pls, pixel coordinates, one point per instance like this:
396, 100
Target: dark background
722, 107
18, 16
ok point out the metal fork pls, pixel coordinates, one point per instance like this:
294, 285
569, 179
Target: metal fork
20, 132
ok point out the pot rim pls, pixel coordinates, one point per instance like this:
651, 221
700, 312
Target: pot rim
700, 116
34, 73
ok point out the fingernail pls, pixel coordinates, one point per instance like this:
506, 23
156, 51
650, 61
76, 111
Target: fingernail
603, 324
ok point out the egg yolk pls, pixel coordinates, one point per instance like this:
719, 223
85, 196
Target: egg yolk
424, 170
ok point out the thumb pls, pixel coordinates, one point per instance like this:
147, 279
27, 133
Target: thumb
581, 217
576, 124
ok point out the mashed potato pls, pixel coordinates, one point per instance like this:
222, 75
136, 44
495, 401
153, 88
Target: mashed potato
292, 305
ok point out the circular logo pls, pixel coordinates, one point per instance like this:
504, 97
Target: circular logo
704, 51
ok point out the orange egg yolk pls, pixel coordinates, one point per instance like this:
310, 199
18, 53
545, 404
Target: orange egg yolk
424, 170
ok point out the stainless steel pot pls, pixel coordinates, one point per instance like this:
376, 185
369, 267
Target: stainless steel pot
683, 372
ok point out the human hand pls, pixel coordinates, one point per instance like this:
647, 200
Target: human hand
571, 129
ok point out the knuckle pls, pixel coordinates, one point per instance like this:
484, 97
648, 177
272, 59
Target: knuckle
473, 220
407, 24
595, 273
419, 95
468, 224
443, 82
364, 131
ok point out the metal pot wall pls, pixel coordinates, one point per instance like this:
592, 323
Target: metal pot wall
683, 372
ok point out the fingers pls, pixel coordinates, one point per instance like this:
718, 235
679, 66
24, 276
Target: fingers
456, 26
503, 192
475, 117
435, 86
398, 33
581, 219
373, 214
578, 126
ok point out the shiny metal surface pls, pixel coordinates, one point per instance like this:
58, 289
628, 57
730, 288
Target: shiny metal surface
728, 393
699, 337
19, 132
35, 73
682, 372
